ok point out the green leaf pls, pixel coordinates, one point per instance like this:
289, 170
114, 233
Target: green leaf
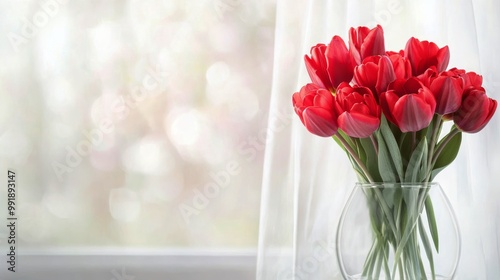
402, 141
371, 161
367, 267
422, 269
360, 151
429, 130
413, 168
405, 147
386, 210
427, 247
391, 147
448, 154
379, 259
386, 167
386, 262
389, 196
411, 197
431, 219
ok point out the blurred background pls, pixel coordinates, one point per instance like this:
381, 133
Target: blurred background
142, 124
135, 123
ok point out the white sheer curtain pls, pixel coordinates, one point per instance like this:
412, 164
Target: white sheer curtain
307, 178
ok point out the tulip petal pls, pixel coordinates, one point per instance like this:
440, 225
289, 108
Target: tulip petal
358, 125
476, 111
388, 100
314, 74
323, 99
372, 104
386, 74
426, 94
448, 94
320, 121
412, 113
412, 85
472, 79
366, 75
340, 64
443, 58
373, 44
401, 66
491, 111
423, 55
308, 100
353, 47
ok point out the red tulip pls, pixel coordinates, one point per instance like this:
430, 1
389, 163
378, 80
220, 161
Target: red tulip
359, 113
316, 108
316, 66
375, 73
425, 54
408, 104
447, 89
476, 110
470, 79
365, 42
330, 65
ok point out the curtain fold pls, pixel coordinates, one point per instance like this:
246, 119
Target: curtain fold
307, 178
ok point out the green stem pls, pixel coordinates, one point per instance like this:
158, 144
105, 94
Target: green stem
401, 269
436, 130
355, 156
368, 266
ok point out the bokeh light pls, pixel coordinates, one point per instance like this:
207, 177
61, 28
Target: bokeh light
96, 162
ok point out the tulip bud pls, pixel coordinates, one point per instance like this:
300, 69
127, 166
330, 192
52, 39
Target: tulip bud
425, 54
328, 66
365, 42
447, 89
408, 104
375, 73
316, 67
359, 113
316, 109
476, 110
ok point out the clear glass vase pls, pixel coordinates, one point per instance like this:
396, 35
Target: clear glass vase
398, 231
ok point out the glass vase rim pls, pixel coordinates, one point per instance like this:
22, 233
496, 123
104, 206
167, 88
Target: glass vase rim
375, 185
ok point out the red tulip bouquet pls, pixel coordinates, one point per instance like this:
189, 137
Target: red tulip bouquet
386, 109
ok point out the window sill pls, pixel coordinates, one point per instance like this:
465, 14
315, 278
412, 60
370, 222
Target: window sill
133, 264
